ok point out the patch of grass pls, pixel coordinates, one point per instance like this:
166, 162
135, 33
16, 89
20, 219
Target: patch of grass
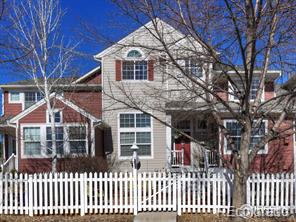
58, 218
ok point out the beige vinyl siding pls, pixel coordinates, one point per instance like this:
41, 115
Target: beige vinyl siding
141, 90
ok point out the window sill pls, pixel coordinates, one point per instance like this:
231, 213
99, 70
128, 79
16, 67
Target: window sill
134, 80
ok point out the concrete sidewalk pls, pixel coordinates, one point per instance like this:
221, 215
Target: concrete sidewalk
156, 217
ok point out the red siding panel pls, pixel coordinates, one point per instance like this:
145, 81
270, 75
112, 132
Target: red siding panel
89, 101
11, 109
93, 79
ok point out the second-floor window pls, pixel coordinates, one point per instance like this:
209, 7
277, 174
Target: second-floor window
240, 88
57, 117
31, 98
14, 97
193, 67
134, 68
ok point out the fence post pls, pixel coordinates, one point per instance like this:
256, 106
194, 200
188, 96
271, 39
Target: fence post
30, 195
179, 190
82, 194
135, 190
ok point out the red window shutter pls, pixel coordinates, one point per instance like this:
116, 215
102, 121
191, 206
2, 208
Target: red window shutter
118, 70
151, 70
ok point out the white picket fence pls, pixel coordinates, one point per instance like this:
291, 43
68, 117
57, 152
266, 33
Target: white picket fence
67, 193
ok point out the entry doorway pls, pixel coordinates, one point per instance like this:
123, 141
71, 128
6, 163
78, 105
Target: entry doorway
182, 142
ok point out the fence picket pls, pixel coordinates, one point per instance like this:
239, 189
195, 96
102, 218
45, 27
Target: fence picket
115, 192
101, 192
66, 185
96, 192
121, 193
21, 204
63, 193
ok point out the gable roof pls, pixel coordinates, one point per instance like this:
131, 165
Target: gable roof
60, 81
62, 99
87, 75
148, 25
63, 82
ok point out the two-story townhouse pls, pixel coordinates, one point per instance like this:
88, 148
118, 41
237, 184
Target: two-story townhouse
25, 123
133, 67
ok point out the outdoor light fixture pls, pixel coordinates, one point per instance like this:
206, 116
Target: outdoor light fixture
135, 162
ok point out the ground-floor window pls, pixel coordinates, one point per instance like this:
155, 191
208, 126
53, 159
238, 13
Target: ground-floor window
258, 132
59, 140
70, 139
135, 127
77, 139
32, 142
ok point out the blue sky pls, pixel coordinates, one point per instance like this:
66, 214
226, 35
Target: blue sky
100, 14
104, 16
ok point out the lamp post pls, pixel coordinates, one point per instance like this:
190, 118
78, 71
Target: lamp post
135, 162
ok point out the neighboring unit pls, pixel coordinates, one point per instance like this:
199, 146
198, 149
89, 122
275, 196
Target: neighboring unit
25, 122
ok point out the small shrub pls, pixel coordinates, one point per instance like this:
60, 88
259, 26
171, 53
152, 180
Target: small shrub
83, 163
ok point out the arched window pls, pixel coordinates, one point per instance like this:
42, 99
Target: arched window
134, 68
134, 54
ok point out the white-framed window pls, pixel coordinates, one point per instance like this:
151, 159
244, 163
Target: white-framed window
134, 70
14, 97
135, 127
134, 67
77, 139
240, 86
59, 140
58, 116
31, 98
193, 67
71, 139
235, 133
32, 141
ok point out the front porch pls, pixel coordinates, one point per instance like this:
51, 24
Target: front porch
186, 153
8, 152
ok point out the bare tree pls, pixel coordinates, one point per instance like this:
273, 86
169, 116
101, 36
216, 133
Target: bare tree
36, 33
235, 42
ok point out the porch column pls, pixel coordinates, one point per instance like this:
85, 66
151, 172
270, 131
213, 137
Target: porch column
3, 146
168, 140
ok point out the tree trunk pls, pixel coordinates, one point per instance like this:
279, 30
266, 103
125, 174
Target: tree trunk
239, 195
241, 170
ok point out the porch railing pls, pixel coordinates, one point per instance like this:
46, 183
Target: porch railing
9, 164
177, 158
212, 158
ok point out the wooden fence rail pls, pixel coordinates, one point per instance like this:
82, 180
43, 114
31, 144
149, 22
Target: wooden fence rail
92, 193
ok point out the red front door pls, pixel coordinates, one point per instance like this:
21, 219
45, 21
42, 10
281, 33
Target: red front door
184, 143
